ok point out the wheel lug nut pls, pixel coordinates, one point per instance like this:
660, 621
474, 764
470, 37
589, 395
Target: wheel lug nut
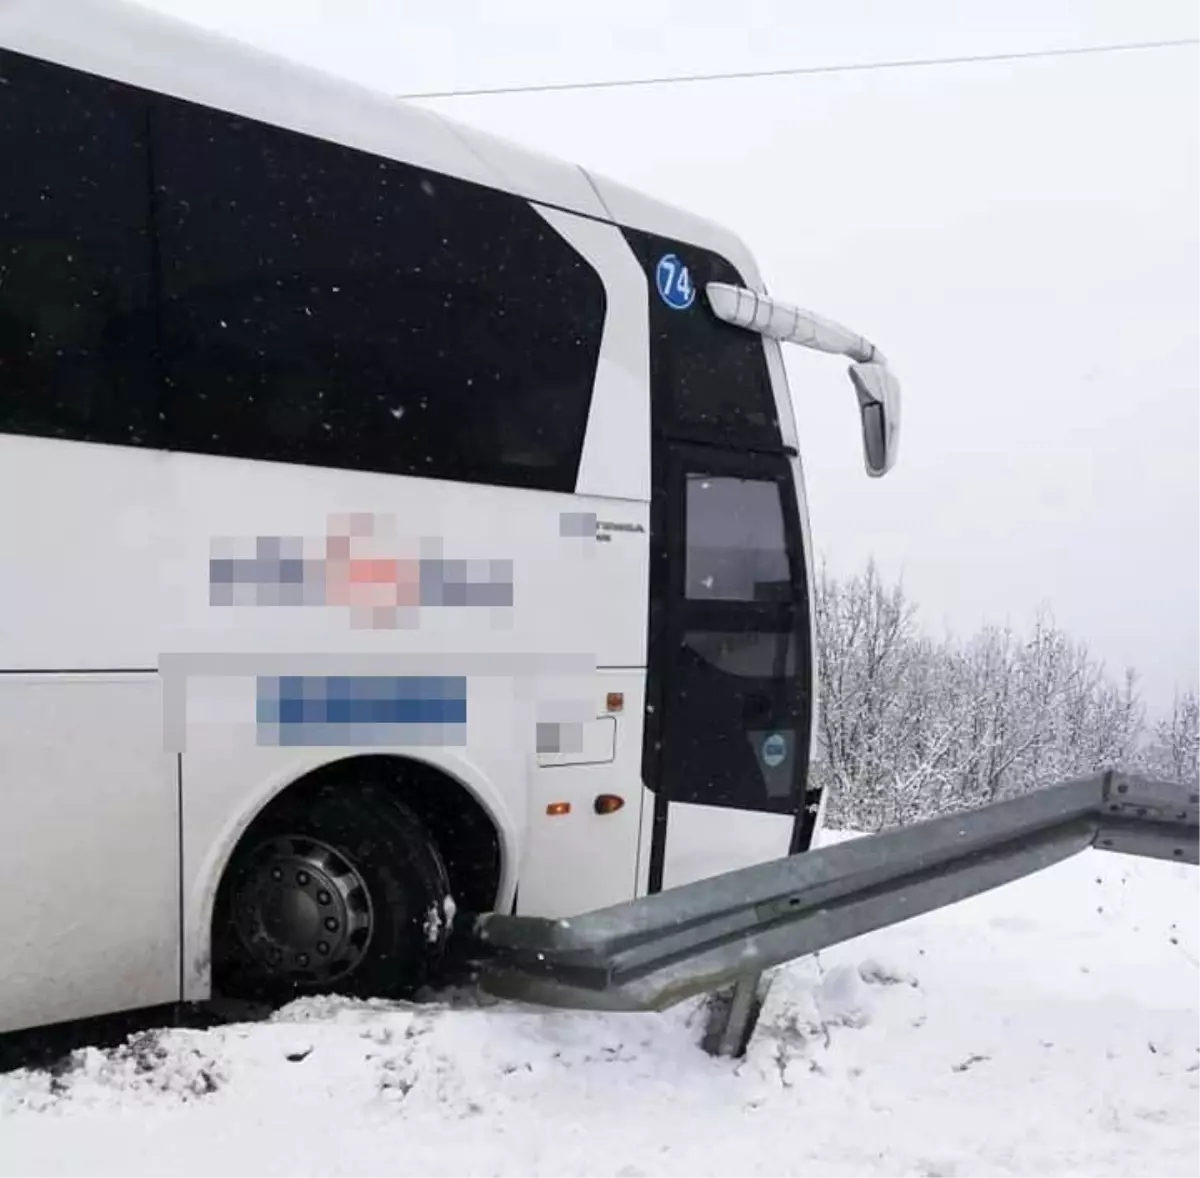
303, 959
302, 878
331, 924
322, 947
323, 897
277, 873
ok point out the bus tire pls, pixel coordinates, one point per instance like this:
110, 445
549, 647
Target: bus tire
339, 890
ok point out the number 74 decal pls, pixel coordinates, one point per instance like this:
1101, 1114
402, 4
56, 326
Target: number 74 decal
674, 282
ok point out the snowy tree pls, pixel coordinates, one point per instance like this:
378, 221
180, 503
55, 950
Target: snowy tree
864, 632
910, 727
1174, 744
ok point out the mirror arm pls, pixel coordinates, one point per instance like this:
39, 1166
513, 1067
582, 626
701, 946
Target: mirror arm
788, 324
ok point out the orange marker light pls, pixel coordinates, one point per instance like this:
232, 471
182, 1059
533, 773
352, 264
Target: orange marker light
608, 803
555, 809
615, 701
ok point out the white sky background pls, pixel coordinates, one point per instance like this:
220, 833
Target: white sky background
1021, 238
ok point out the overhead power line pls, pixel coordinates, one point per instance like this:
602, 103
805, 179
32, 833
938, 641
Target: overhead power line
854, 67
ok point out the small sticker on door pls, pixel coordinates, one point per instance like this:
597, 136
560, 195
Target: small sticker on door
774, 750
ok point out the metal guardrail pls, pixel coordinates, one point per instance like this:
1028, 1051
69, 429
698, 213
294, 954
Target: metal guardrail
654, 952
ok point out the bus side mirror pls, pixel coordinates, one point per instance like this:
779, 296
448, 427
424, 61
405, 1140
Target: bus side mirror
879, 406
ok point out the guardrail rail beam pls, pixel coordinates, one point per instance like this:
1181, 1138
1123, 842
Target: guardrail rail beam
656, 951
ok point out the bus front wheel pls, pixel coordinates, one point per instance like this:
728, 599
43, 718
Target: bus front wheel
339, 890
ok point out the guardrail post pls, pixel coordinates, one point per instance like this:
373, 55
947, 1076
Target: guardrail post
728, 1037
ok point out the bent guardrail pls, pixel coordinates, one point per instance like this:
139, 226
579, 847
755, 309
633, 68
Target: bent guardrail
654, 952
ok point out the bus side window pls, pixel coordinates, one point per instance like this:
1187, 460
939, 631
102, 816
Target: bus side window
76, 336
736, 547
329, 307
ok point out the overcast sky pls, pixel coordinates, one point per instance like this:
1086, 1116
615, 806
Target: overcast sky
1021, 238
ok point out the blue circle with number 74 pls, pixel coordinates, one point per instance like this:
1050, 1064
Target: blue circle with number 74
674, 282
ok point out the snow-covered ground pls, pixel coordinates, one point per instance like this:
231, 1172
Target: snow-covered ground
1047, 1028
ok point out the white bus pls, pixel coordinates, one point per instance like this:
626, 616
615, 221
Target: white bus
393, 521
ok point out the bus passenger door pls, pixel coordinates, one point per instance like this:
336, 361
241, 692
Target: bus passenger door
729, 665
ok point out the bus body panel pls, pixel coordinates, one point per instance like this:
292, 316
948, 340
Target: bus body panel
84, 529
615, 461
572, 596
637, 210
90, 869
582, 860
709, 840
146, 523
88, 790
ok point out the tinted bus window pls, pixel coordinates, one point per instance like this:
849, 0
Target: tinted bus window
329, 307
736, 548
76, 338
710, 379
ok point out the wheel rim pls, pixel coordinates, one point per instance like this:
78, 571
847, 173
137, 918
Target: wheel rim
303, 910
